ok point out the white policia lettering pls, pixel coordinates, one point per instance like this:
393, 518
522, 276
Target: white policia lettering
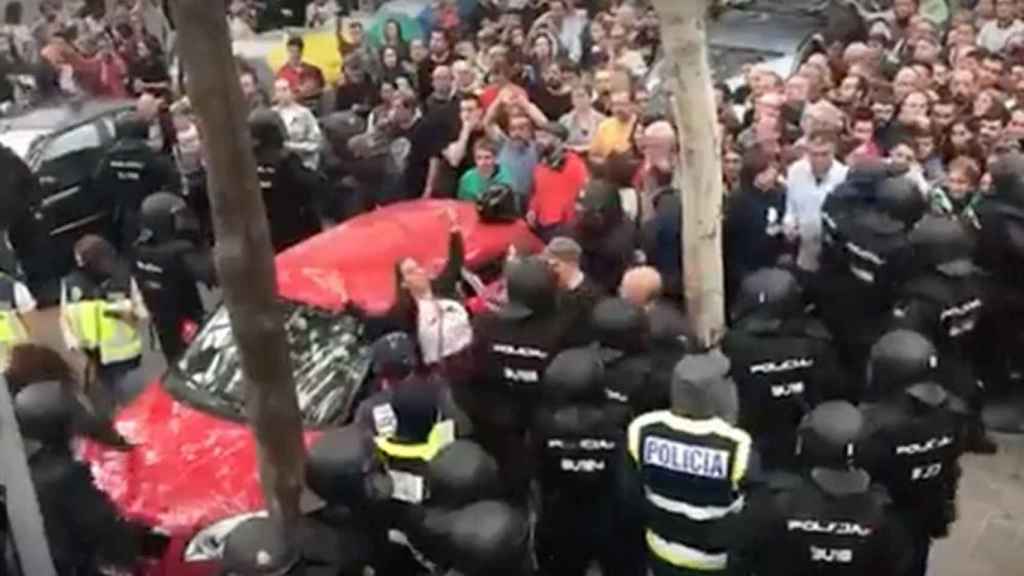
686, 458
784, 366
521, 351
588, 444
924, 447
837, 528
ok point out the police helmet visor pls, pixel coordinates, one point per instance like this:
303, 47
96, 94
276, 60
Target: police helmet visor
928, 393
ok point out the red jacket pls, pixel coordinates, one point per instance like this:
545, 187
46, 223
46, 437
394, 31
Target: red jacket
555, 192
297, 76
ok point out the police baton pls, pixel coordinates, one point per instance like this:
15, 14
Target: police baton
23, 513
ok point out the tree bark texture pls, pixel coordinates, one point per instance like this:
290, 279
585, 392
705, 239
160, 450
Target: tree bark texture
699, 176
244, 258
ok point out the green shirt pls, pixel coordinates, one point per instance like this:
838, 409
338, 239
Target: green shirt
472, 185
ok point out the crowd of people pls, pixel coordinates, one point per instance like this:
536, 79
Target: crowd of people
873, 231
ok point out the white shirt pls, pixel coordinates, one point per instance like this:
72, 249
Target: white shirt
304, 137
804, 198
993, 38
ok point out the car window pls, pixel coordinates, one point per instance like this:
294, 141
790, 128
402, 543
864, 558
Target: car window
330, 360
85, 137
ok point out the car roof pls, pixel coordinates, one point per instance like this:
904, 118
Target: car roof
768, 30
57, 116
359, 256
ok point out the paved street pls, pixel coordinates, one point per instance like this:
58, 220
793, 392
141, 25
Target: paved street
988, 539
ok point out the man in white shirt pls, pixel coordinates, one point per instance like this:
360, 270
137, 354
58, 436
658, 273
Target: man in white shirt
994, 34
809, 181
304, 136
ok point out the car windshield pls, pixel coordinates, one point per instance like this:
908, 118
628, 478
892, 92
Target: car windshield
20, 141
330, 361
728, 61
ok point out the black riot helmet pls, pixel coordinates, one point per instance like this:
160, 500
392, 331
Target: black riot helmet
253, 548
267, 131
498, 204
462, 473
702, 388
489, 537
131, 126
898, 359
1008, 179
621, 327
394, 356
166, 216
343, 469
46, 412
531, 289
575, 375
827, 437
599, 206
768, 294
943, 243
415, 403
900, 198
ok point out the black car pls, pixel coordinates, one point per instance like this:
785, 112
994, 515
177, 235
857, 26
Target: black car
62, 144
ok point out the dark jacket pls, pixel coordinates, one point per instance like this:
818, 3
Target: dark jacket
576, 306
288, 191
753, 236
661, 241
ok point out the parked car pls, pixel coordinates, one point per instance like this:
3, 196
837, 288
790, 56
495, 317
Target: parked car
756, 35
193, 473
62, 143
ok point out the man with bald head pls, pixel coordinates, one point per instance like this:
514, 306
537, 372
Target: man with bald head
644, 287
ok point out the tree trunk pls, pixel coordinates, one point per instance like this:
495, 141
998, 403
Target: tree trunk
699, 172
243, 255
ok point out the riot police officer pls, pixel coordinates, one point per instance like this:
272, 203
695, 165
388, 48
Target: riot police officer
167, 265
866, 258
783, 362
944, 300
831, 520
609, 240
900, 358
578, 435
101, 313
1001, 253
94, 535
289, 189
912, 447
129, 173
15, 300
513, 346
253, 548
634, 375
686, 469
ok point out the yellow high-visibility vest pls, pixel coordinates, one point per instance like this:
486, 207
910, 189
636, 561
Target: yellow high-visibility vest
116, 340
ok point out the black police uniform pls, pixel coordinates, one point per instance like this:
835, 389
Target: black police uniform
513, 347
944, 301
1001, 253
166, 265
609, 240
289, 189
912, 446
635, 375
867, 255
830, 520
686, 471
782, 362
83, 528
579, 436
130, 172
